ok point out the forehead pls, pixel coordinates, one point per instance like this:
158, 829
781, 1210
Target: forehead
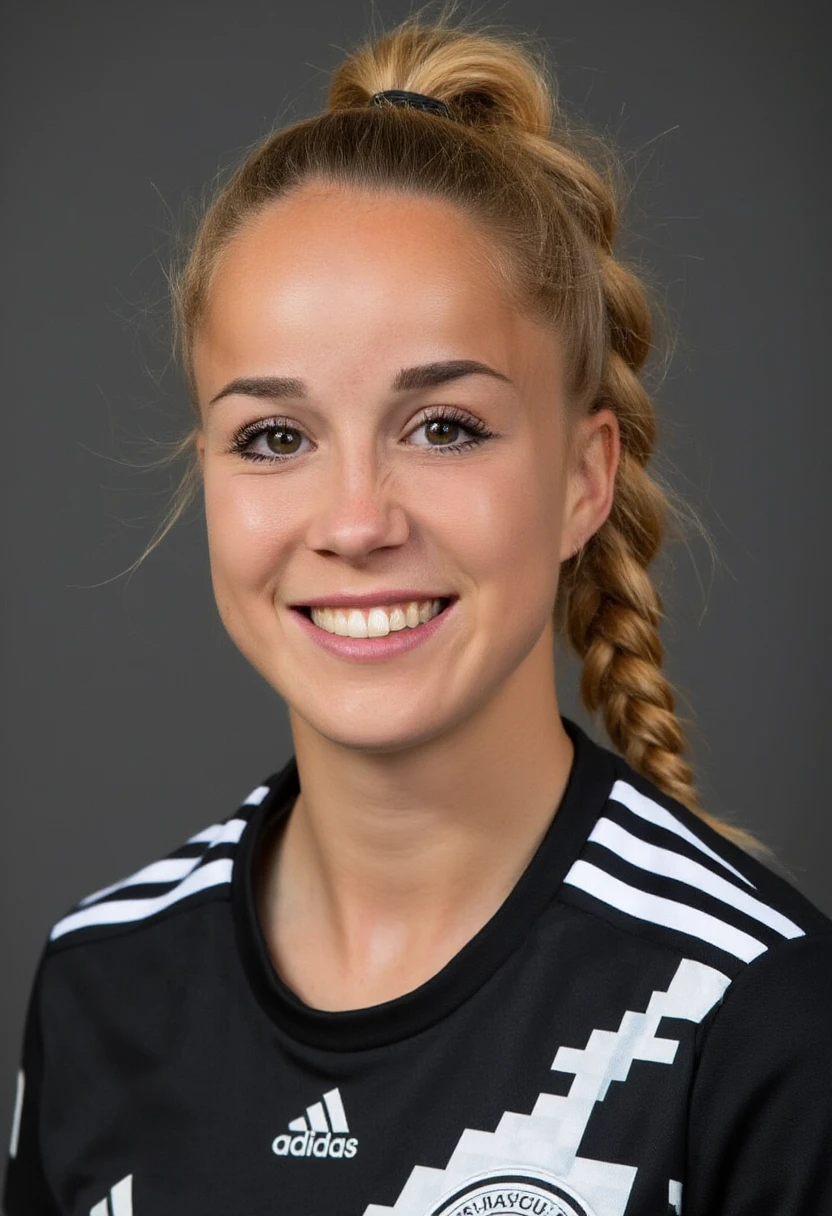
344, 281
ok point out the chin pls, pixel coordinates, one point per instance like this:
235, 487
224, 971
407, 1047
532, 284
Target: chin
377, 734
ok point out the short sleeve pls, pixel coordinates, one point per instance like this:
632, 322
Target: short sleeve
760, 1132
25, 1189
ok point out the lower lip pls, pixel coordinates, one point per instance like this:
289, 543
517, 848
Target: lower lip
374, 650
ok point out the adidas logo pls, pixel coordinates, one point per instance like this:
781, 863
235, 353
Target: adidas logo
321, 1132
119, 1202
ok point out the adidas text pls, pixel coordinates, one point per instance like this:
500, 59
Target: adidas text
312, 1144
320, 1132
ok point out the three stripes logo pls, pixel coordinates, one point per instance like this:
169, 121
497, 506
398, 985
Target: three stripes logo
119, 1202
321, 1132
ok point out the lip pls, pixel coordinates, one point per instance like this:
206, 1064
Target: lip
371, 599
374, 650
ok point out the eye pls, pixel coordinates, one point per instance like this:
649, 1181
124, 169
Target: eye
440, 422
282, 437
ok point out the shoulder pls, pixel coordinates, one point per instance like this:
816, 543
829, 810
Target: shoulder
760, 1117
196, 871
656, 870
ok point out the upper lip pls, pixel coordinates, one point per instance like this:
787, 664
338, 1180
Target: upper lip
370, 599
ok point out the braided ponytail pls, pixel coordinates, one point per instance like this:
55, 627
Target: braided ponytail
511, 160
608, 607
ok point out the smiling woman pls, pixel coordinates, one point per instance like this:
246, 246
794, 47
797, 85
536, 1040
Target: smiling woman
453, 942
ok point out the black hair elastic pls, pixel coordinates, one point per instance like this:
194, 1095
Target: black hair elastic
416, 101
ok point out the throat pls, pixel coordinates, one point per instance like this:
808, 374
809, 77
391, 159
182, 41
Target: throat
340, 945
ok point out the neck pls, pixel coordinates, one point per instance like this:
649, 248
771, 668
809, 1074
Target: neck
390, 862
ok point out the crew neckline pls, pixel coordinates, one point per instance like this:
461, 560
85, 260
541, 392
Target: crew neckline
590, 780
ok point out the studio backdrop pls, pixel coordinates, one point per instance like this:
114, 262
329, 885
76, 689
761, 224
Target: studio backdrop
130, 721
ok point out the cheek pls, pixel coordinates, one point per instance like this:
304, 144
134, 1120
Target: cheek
509, 529
246, 530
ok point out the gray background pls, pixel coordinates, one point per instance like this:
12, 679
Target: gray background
129, 719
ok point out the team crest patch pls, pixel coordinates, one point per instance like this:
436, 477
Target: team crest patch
512, 1195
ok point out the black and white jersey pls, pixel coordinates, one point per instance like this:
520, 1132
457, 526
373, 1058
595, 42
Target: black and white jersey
643, 1027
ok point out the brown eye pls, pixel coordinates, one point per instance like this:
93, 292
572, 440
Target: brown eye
280, 440
439, 428
278, 435
442, 431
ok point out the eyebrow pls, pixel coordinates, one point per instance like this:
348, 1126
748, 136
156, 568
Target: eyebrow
424, 375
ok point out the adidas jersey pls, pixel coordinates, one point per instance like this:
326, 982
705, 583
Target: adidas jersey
643, 1027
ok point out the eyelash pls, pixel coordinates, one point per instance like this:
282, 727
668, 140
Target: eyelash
478, 430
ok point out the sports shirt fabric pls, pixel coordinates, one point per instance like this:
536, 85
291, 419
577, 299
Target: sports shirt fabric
643, 1027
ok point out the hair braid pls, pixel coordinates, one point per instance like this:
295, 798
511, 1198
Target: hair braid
611, 611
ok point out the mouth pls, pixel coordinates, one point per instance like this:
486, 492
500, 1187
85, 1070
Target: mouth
444, 602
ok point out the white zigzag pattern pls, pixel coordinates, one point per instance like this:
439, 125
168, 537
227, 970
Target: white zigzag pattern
546, 1142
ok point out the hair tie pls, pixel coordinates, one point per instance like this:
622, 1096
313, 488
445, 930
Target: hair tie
415, 101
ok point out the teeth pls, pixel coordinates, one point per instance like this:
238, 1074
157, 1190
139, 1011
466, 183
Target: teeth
375, 622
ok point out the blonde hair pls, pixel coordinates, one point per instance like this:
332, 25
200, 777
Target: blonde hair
510, 159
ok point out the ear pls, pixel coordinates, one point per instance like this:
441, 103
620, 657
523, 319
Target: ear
200, 450
595, 453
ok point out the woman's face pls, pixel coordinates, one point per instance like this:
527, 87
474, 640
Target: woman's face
340, 291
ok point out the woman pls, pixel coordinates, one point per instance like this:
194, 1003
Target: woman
454, 957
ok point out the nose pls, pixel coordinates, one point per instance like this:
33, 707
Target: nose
360, 508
